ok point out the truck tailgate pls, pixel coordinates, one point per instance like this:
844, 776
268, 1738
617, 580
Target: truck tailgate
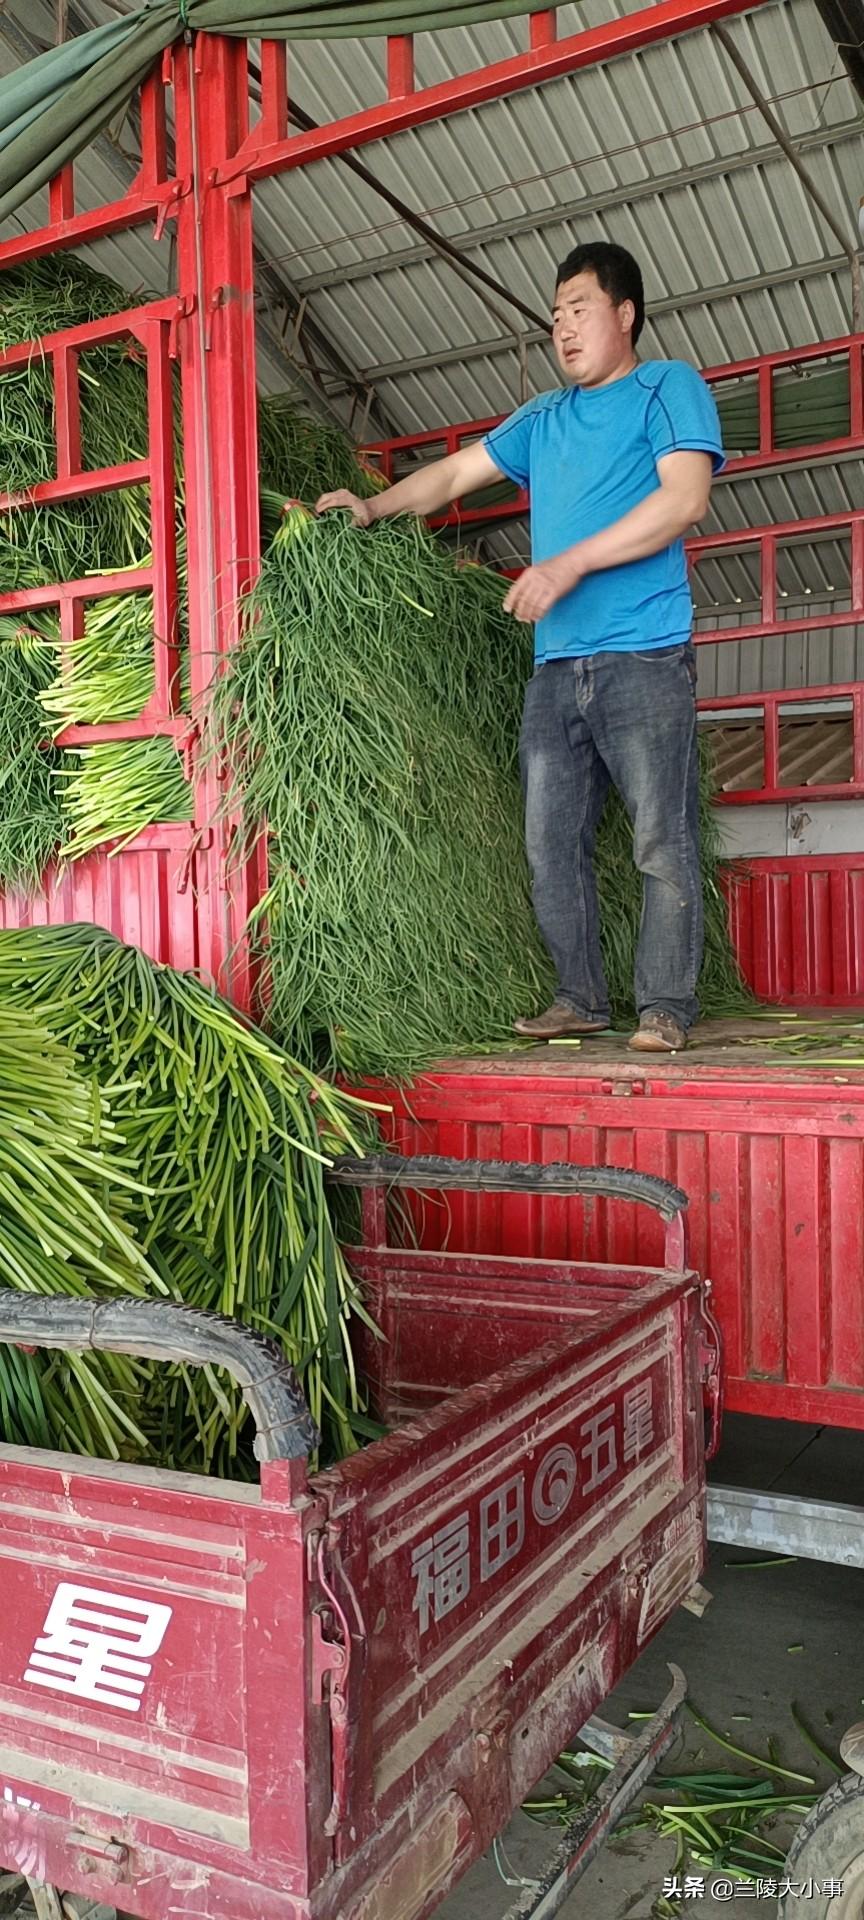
515, 1546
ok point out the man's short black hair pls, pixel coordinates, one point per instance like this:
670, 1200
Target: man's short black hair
616, 272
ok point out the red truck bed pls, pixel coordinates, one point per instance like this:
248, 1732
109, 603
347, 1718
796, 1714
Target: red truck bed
769, 1151
322, 1697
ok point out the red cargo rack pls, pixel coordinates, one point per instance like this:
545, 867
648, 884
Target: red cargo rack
391, 455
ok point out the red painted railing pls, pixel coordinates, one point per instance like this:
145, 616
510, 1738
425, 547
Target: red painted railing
766, 541
391, 455
151, 333
770, 706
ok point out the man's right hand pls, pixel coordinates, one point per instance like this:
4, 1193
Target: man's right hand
360, 510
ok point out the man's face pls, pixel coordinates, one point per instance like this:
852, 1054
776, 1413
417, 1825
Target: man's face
591, 337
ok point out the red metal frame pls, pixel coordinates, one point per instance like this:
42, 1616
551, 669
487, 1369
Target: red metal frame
767, 540
149, 890
154, 195
215, 257
154, 328
384, 453
771, 705
772, 1159
259, 154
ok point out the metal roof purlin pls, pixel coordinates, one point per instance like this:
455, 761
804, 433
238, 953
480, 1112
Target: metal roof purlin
436, 242
776, 127
549, 61
534, 221
675, 303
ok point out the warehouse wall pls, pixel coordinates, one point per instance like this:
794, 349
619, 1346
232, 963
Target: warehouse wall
805, 828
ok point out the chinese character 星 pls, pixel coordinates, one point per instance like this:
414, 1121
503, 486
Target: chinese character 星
600, 1451
638, 1420
441, 1567
98, 1646
502, 1525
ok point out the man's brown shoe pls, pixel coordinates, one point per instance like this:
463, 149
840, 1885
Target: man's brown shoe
658, 1033
558, 1021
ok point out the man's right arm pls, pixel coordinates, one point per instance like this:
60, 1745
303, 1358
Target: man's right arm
425, 493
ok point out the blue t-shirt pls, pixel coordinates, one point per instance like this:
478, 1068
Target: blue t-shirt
586, 456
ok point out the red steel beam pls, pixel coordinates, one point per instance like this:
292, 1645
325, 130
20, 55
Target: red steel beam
72, 486
67, 412
163, 522
788, 357
83, 228
61, 196
154, 131
54, 595
735, 537
133, 321
400, 66
543, 29
215, 257
145, 726
776, 629
550, 60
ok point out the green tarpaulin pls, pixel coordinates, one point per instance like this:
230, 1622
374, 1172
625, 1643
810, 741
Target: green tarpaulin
54, 106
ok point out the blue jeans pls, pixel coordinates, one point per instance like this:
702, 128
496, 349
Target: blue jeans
629, 720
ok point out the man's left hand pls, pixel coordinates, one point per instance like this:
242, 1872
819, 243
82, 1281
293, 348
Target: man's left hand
538, 588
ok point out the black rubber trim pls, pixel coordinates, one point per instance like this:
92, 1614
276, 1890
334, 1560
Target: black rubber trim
160, 1330
423, 1171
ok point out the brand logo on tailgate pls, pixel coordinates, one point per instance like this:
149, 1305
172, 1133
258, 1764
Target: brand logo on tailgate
98, 1646
615, 1435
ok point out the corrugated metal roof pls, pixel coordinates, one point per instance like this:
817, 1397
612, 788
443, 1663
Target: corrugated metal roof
661, 150
728, 211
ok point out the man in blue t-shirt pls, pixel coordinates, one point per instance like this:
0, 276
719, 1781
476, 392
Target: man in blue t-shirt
618, 465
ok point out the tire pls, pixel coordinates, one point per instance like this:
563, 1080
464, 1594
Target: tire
829, 1845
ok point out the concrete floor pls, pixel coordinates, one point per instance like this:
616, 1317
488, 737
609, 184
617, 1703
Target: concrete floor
736, 1660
